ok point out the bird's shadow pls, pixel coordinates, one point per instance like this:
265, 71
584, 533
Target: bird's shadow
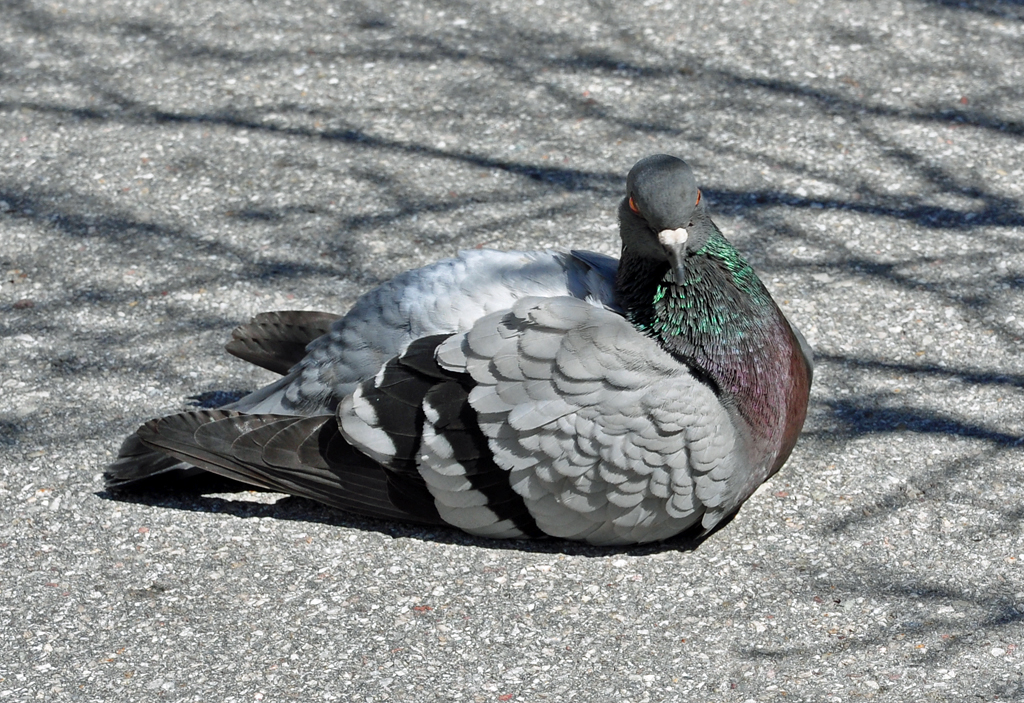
204, 494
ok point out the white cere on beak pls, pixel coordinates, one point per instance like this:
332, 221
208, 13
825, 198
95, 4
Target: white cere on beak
673, 237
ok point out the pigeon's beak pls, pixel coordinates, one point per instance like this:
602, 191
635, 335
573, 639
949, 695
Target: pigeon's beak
674, 241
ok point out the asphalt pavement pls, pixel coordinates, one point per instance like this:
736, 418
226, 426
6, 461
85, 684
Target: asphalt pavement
169, 169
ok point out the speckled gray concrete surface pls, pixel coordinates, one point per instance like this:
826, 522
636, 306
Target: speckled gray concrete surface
169, 169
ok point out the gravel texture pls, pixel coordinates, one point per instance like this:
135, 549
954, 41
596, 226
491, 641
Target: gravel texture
169, 169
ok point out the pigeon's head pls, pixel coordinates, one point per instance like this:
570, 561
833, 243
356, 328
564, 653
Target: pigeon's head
661, 207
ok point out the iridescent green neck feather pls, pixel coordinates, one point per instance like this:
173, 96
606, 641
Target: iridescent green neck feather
720, 321
716, 299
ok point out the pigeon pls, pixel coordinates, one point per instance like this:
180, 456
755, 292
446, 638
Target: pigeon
519, 395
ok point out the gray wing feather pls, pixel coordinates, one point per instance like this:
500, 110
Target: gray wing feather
454, 495
605, 436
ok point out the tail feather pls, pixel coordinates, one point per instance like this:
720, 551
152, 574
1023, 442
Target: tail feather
277, 341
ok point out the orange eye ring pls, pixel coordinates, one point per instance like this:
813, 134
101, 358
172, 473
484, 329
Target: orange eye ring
632, 206
698, 198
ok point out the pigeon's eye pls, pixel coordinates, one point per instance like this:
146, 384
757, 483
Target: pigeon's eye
698, 198
632, 206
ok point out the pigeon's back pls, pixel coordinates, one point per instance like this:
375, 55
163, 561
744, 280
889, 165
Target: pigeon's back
445, 297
